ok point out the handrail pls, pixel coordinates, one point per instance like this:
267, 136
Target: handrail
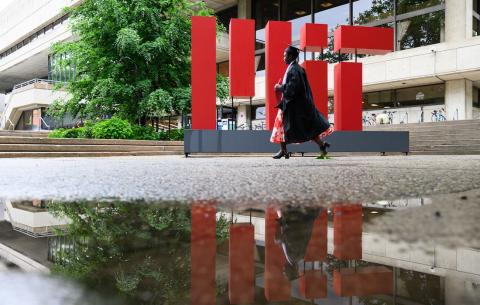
35, 81
11, 124
43, 121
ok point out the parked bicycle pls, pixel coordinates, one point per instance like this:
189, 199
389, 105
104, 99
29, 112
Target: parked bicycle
370, 120
259, 126
390, 116
438, 115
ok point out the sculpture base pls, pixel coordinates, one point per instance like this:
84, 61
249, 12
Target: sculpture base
258, 141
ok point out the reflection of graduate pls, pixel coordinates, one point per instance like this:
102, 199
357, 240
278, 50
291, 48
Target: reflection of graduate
294, 234
298, 120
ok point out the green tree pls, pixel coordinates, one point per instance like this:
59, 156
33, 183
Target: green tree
132, 58
140, 250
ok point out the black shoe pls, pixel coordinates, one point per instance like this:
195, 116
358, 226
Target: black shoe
281, 154
323, 148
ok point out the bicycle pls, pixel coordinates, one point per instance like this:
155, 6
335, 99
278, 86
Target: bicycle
370, 120
404, 119
259, 126
244, 126
390, 116
438, 115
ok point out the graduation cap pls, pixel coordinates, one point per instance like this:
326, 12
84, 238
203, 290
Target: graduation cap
293, 50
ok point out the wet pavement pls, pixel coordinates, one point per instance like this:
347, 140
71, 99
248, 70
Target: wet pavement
403, 251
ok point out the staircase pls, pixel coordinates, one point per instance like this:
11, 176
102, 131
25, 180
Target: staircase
440, 138
37, 145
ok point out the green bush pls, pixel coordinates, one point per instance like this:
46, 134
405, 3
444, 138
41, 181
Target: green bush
57, 133
74, 133
113, 128
88, 129
144, 133
173, 135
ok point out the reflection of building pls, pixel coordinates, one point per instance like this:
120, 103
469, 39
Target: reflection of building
435, 64
32, 218
406, 273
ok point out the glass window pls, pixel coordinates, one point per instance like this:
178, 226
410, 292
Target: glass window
476, 17
406, 6
420, 30
378, 100
227, 14
258, 112
366, 11
293, 9
425, 95
265, 10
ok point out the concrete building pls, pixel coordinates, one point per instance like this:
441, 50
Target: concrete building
433, 75
435, 68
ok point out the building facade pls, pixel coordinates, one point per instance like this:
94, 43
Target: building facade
433, 75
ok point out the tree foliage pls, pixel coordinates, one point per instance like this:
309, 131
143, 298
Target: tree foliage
141, 251
132, 58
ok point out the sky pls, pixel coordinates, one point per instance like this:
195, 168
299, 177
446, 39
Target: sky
4, 3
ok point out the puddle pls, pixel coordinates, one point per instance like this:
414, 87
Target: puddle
411, 251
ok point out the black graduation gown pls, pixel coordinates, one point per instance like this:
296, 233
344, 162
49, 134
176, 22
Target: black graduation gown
302, 121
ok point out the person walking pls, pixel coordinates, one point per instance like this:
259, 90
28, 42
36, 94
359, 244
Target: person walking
298, 120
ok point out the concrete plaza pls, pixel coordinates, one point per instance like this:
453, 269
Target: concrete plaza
239, 180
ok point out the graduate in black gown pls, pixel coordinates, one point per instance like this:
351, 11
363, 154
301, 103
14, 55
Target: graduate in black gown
298, 120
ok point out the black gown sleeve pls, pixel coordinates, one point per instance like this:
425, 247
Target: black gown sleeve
294, 88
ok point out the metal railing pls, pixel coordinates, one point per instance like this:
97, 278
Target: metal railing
36, 81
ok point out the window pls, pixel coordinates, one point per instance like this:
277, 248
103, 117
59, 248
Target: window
293, 9
406, 6
405, 97
420, 30
476, 17
378, 100
227, 14
425, 95
265, 10
368, 11
258, 113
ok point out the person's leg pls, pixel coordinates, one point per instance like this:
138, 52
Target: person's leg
283, 151
321, 145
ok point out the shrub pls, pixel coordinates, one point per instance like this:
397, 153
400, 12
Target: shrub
57, 133
176, 134
173, 135
88, 129
74, 133
144, 133
114, 128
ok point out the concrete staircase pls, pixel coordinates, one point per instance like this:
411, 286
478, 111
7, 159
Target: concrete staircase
440, 138
33, 145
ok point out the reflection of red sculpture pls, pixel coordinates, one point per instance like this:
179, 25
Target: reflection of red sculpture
317, 247
277, 287
241, 281
203, 253
313, 284
362, 281
347, 236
